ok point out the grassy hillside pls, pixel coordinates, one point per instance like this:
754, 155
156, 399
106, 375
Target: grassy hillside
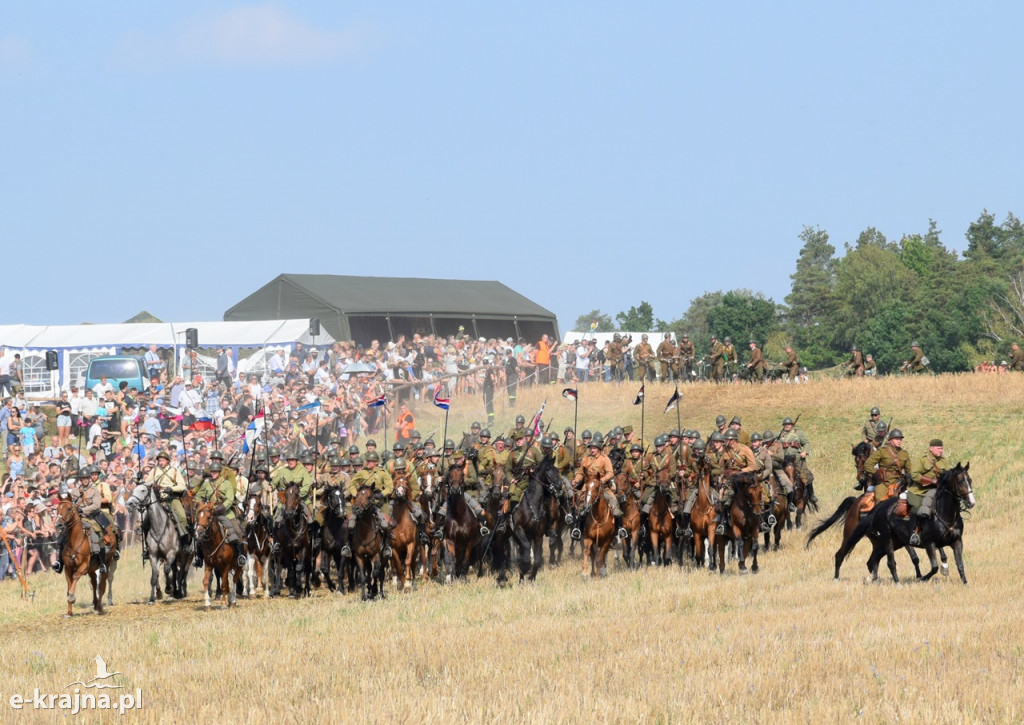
656, 645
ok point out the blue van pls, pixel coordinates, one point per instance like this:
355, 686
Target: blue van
117, 369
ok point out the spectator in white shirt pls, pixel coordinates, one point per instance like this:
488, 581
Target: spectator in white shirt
102, 387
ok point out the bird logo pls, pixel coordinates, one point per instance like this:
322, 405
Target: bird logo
101, 674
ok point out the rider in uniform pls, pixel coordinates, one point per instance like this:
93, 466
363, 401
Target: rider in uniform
892, 463
172, 487
925, 472
796, 444
383, 486
219, 489
597, 465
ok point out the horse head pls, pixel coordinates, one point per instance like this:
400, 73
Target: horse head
67, 515
958, 479
292, 502
860, 453
253, 507
336, 501
140, 497
363, 501
455, 478
747, 485
663, 478
205, 519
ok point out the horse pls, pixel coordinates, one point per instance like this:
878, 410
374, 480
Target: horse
403, 535
629, 501
702, 519
259, 543
334, 534
557, 513
218, 555
598, 527
851, 512
780, 510
461, 531
498, 541
78, 559
889, 531
162, 543
861, 452
743, 522
800, 494
530, 520
292, 546
366, 541
430, 551
661, 525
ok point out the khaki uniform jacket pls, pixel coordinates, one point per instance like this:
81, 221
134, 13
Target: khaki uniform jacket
377, 479
794, 440
221, 491
532, 459
170, 481
687, 351
925, 471
285, 477
717, 352
638, 471
792, 363
667, 350
890, 462
643, 352
599, 466
738, 457
756, 359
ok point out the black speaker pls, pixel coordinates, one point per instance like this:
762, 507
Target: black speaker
191, 338
314, 326
51, 360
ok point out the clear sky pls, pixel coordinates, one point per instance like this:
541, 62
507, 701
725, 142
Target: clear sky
174, 157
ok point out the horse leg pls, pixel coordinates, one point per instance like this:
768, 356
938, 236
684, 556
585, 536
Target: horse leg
753, 553
99, 584
944, 566
110, 583
154, 580
958, 556
603, 555
206, 586
587, 546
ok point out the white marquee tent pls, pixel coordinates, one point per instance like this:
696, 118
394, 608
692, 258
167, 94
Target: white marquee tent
76, 345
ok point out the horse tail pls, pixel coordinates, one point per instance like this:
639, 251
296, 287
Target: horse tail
846, 548
832, 520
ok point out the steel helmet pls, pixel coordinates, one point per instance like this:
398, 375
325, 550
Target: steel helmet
399, 446
787, 421
875, 411
400, 464
720, 420
660, 440
520, 420
731, 435
698, 445
717, 437
895, 433
586, 435
755, 437
372, 456
636, 448
485, 433
546, 442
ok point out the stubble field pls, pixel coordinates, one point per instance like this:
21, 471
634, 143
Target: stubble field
788, 644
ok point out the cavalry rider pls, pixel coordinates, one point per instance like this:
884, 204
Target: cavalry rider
881, 431
522, 460
916, 363
383, 486
563, 456
690, 483
489, 459
660, 460
470, 482
734, 457
285, 477
870, 429
171, 486
764, 475
334, 478
637, 470
412, 495
892, 463
95, 520
795, 443
518, 430
770, 442
737, 425
925, 472
597, 465
218, 488
856, 364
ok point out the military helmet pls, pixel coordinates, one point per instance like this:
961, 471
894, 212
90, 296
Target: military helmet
637, 448
717, 437
448, 443
616, 336
853, 348
334, 438
353, 450
674, 433
307, 456
735, 421
660, 440
485, 433
356, 461
555, 437
768, 436
475, 426
787, 421
215, 467
698, 445
372, 456
371, 442
335, 461
895, 433
915, 343
520, 420
547, 442
161, 454
728, 339
876, 411
262, 468
643, 336
881, 427
415, 434
400, 464
597, 440
458, 455
291, 455
430, 443
720, 420
274, 452
754, 437
731, 435
586, 435
568, 430
399, 446
387, 456
216, 455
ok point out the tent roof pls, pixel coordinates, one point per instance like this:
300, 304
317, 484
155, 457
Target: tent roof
164, 334
411, 295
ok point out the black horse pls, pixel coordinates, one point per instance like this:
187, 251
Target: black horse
293, 553
530, 518
888, 532
333, 538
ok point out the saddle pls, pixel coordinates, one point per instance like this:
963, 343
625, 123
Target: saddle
902, 509
866, 504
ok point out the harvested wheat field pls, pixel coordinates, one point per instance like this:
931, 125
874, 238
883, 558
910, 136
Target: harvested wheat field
788, 644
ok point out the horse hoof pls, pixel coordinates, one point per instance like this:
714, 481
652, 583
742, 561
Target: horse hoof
944, 569
151, 602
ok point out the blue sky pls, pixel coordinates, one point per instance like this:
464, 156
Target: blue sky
174, 157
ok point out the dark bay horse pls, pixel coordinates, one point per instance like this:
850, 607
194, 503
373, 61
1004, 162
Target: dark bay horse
530, 520
801, 494
334, 535
629, 501
78, 559
598, 527
461, 531
743, 524
403, 536
779, 508
702, 519
259, 543
430, 551
660, 523
293, 546
162, 543
889, 532
557, 513
218, 555
367, 542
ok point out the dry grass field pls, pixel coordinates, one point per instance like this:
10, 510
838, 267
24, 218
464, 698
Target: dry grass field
786, 645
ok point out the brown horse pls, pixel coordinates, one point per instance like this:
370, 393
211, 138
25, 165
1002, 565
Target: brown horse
660, 521
801, 495
557, 512
78, 559
366, 542
780, 510
430, 552
702, 519
629, 501
259, 543
598, 527
743, 523
293, 545
461, 531
403, 536
218, 555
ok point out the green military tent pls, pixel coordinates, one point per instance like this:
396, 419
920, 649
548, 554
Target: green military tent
382, 308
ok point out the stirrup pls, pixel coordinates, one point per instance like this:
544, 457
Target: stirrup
346, 551
386, 552
765, 528
275, 547
772, 520
197, 561
792, 508
484, 530
688, 532
720, 529
423, 537
569, 519
576, 534
241, 560
439, 534
622, 533
915, 539
57, 566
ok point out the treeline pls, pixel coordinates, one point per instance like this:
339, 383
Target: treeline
880, 295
